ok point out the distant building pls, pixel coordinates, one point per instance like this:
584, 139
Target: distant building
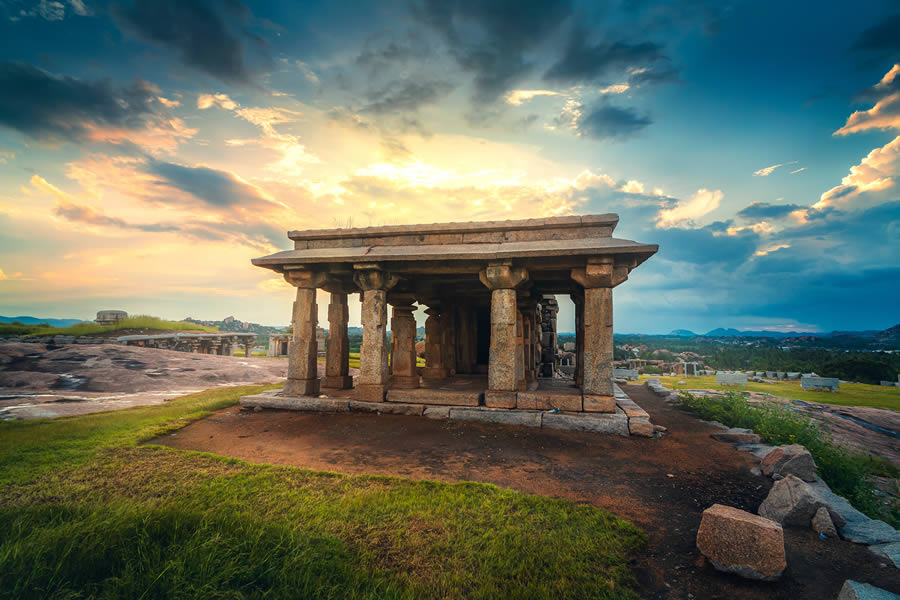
110, 317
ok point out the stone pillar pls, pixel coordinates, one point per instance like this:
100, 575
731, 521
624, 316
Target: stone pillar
404, 374
303, 377
549, 340
598, 278
195, 345
247, 347
503, 279
434, 338
521, 383
448, 340
337, 349
373, 354
578, 300
529, 324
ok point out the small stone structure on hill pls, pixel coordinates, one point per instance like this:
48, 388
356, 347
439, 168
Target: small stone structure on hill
490, 336
110, 317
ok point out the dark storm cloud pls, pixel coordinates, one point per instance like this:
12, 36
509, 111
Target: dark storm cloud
220, 189
207, 35
55, 108
584, 62
764, 210
611, 122
491, 39
703, 247
406, 96
881, 40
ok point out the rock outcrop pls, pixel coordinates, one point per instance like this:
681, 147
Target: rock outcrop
789, 460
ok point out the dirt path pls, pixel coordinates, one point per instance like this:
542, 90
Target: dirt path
663, 485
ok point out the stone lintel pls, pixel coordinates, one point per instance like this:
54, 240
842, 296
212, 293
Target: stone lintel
370, 276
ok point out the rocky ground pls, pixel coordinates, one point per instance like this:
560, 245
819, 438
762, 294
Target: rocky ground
663, 485
41, 380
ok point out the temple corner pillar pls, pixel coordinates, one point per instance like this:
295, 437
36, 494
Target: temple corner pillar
303, 379
337, 346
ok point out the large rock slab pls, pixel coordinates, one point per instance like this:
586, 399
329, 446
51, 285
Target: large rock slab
853, 590
435, 396
301, 403
736, 541
548, 400
789, 460
792, 501
854, 525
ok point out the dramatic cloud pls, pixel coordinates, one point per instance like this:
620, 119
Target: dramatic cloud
610, 122
584, 62
884, 115
492, 39
684, 213
401, 97
206, 35
53, 108
881, 40
766, 171
764, 210
889, 84
213, 187
517, 97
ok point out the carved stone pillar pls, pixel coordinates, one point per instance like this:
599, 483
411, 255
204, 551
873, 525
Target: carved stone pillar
373, 354
247, 346
337, 348
529, 324
549, 339
404, 374
502, 280
448, 339
434, 342
303, 376
521, 383
598, 277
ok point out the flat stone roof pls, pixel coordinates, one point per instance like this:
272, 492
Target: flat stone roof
568, 239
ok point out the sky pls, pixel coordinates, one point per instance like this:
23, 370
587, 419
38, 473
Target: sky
150, 148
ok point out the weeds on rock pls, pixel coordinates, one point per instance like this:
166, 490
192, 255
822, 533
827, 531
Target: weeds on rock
847, 473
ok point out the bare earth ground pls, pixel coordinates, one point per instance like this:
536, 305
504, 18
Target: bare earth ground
630, 477
43, 380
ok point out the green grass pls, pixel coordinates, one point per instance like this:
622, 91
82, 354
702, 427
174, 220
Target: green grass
86, 511
135, 322
20, 329
850, 394
847, 473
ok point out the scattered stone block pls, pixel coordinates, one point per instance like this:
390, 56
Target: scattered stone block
626, 374
826, 384
640, 426
822, 523
792, 501
727, 378
794, 460
735, 541
853, 590
737, 436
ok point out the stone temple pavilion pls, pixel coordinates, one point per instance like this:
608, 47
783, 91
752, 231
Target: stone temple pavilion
487, 287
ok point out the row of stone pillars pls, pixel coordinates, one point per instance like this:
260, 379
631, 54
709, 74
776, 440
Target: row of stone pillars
515, 340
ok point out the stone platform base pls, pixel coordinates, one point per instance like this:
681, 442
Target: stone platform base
628, 418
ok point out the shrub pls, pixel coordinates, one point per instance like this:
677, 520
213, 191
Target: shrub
846, 473
135, 322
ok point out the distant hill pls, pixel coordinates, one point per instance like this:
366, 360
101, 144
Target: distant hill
682, 333
36, 320
890, 335
722, 332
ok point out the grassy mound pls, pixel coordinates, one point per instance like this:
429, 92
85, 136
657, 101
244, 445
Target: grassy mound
846, 473
86, 511
135, 322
